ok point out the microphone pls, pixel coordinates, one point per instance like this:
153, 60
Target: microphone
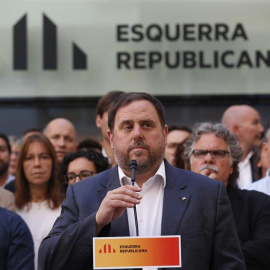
133, 166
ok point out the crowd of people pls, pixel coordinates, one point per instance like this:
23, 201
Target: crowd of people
208, 183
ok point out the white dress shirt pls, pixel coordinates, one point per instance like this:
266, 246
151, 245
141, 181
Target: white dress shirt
262, 185
103, 152
149, 211
245, 172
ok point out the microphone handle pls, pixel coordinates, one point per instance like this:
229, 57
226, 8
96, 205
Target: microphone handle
134, 208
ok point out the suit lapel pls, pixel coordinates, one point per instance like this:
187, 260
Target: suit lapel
176, 199
119, 227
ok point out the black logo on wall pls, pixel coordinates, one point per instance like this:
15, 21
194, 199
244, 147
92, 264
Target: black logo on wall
49, 46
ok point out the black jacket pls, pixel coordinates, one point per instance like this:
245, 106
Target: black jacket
251, 212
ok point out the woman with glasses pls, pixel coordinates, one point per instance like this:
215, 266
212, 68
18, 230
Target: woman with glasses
37, 197
82, 164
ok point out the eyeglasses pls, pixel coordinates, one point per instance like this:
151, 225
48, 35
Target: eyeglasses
215, 154
71, 177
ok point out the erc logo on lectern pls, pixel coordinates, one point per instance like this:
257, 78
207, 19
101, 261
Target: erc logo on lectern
107, 248
49, 47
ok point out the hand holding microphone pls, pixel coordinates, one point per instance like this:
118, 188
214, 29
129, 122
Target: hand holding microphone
116, 202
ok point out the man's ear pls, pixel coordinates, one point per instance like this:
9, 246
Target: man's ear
98, 121
165, 132
110, 136
235, 129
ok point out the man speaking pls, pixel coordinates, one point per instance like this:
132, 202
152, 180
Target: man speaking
169, 201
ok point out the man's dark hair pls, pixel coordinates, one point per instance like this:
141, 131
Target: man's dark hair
105, 102
127, 98
181, 128
221, 132
5, 138
89, 143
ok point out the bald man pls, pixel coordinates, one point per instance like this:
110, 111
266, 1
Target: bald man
245, 122
62, 134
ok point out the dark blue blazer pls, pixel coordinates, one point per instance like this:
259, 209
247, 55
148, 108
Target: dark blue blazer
195, 207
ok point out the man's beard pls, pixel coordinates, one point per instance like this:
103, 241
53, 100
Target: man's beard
3, 167
154, 157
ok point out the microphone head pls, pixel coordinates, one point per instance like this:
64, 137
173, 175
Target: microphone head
133, 164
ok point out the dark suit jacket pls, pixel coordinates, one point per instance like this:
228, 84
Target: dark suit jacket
11, 186
255, 171
251, 212
204, 221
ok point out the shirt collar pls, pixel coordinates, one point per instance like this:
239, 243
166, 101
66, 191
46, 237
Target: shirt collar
267, 173
246, 160
103, 152
124, 180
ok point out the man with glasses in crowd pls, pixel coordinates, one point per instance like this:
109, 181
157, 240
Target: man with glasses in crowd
214, 152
